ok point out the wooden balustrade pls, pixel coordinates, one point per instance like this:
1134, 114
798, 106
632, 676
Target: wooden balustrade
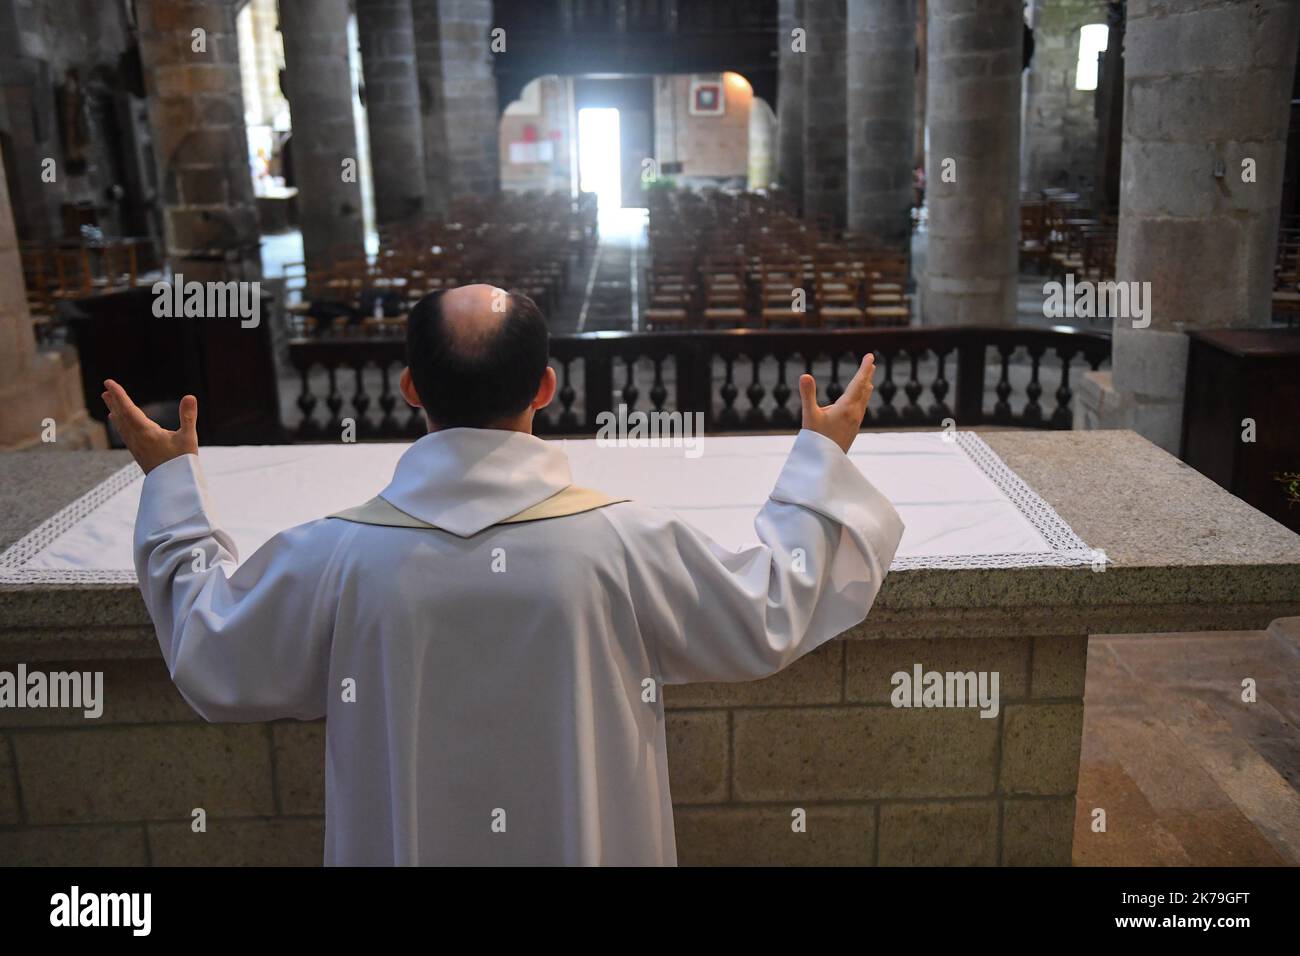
740, 379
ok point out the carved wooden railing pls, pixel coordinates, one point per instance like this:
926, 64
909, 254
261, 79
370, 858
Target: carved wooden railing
739, 379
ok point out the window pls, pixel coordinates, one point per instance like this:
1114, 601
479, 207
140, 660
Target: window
1092, 41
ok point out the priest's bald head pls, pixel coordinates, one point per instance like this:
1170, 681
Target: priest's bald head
476, 358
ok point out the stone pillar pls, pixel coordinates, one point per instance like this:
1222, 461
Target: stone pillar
392, 108
268, 57
881, 114
789, 100
40, 392
1060, 127
762, 140
973, 164
318, 83
825, 140
27, 105
196, 111
1110, 119
1206, 94
458, 99
920, 84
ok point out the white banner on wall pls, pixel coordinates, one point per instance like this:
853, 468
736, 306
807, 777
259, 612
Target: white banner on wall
541, 151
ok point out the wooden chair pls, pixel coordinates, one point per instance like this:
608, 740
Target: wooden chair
781, 291
723, 296
888, 302
839, 298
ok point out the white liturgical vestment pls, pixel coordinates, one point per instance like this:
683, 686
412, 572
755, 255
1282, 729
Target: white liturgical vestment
493, 692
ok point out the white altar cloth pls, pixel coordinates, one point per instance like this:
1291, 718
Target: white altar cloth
962, 506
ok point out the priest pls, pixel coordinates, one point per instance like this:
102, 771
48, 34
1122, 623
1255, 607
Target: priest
488, 642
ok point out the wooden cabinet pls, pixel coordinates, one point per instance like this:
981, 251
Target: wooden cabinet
1235, 377
229, 368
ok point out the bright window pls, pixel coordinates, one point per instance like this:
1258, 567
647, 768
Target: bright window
1092, 41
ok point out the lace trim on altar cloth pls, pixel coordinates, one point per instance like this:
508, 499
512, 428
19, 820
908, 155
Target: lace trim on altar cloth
13, 561
1067, 549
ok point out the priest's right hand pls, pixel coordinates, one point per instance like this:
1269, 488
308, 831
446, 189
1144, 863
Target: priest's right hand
149, 443
839, 422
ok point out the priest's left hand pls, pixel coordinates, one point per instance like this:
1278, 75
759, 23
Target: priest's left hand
149, 443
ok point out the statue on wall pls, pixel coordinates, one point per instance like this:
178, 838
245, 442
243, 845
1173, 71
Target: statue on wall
73, 128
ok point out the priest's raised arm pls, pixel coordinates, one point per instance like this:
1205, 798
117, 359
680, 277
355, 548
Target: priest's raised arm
711, 614
241, 643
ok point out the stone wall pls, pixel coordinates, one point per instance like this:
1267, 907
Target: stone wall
318, 82
710, 149
825, 121
543, 114
879, 784
762, 145
396, 138
790, 96
458, 100
881, 111
1207, 95
974, 55
1060, 130
35, 386
42, 44
121, 790
196, 110
260, 62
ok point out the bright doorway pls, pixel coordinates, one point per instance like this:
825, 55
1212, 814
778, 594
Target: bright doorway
599, 157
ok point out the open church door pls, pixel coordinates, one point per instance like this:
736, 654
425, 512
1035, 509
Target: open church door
633, 97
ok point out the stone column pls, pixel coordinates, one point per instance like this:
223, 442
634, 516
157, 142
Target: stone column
196, 111
41, 402
1060, 127
973, 165
789, 97
1206, 94
27, 106
881, 114
326, 166
458, 99
920, 84
762, 139
825, 142
392, 108
268, 57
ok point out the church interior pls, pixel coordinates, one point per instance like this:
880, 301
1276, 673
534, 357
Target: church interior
1069, 231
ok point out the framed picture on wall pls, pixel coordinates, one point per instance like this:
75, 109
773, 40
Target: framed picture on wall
707, 97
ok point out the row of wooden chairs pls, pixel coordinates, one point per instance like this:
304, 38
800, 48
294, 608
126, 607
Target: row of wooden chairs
74, 269
725, 259
1061, 235
1286, 271
524, 242
797, 293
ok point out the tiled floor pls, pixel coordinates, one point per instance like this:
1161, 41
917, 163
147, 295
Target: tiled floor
1185, 770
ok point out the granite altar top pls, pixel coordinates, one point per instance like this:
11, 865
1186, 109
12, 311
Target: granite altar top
1184, 553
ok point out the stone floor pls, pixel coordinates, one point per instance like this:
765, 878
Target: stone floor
1186, 772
